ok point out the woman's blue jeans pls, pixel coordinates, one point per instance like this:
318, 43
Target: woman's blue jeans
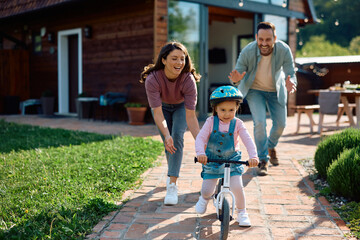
175, 117
258, 102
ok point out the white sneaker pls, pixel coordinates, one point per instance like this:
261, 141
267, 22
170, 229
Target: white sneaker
171, 197
243, 219
201, 205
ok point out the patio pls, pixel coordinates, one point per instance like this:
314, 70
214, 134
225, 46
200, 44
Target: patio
280, 205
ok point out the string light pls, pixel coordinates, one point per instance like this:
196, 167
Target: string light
337, 22
241, 3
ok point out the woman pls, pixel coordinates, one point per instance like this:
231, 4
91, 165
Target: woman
170, 86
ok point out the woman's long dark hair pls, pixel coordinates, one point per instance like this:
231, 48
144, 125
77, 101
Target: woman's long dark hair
164, 52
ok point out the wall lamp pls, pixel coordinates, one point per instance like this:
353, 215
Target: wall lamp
51, 37
88, 31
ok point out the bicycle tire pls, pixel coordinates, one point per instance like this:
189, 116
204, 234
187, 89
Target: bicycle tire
224, 217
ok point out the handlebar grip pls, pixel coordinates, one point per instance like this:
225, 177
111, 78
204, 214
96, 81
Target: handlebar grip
224, 161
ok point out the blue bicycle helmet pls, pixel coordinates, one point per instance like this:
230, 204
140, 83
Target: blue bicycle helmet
225, 93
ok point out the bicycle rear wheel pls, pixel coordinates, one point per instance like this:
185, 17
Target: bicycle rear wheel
224, 217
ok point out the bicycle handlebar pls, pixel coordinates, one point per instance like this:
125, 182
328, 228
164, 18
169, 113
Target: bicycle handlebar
224, 161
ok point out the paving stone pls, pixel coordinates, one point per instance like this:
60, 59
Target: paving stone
281, 205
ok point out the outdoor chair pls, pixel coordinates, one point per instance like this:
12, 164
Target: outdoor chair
110, 100
329, 105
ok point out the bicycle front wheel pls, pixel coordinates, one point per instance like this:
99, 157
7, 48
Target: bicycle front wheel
224, 217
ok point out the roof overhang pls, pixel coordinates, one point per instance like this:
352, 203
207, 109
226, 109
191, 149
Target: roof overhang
330, 59
257, 7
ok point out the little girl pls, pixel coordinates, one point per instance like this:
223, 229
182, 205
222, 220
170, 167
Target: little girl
219, 139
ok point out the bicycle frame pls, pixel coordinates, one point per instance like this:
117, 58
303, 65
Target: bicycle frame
225, 190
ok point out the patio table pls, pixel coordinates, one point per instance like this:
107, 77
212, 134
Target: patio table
345, 94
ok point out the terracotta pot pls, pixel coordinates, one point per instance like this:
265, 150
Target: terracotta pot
136, 115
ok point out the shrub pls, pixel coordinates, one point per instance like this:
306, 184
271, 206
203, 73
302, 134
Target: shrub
343, 174
47, 93
330, 147
134, 105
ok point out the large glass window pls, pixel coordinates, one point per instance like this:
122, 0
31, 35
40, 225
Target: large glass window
281, 26
279, 2
184, 26
273, 2
262, 1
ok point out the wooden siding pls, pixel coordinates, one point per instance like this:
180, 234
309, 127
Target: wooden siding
292, 43
122, 43
298, 5
160, 25
14, 74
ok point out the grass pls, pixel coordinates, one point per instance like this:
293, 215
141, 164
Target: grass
58, 184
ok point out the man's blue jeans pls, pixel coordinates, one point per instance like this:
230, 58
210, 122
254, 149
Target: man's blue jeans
258, 102
175, 117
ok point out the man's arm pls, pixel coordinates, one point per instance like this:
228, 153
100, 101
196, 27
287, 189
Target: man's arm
289, 70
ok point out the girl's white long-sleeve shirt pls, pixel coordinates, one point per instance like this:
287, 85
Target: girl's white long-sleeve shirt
240, 132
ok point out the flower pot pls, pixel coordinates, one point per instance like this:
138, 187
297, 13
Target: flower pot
47, 104
136, 115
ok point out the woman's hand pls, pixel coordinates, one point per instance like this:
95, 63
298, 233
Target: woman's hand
202, 159
169, 144
253, 162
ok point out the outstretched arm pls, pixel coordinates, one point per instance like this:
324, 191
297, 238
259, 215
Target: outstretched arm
192, 122
236, 77
290, 86
161, 124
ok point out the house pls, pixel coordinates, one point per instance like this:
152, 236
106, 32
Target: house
76, 46
324, 72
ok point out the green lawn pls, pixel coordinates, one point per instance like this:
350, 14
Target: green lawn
58, 184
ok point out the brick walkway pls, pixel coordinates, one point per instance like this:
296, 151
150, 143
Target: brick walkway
281, 205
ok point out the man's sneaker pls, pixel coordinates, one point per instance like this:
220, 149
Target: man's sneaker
273, 159
201, 205
262, 168
243, 219
171, 197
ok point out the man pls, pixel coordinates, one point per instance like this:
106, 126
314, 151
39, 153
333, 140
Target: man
259, 74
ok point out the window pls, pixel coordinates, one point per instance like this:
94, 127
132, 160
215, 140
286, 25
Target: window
273, 2
279, 3
262, 1
184, 26
281, 26
37, 43
242, 41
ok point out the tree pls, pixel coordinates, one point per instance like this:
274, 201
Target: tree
318, 46
339, 22
179, 23
355, 46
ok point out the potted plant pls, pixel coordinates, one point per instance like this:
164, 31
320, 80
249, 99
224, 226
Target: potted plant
47, 102
136, 113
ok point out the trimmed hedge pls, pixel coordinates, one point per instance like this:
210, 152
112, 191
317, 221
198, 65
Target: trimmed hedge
343, 174
330, 148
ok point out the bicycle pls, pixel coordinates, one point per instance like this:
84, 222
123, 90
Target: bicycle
220, 201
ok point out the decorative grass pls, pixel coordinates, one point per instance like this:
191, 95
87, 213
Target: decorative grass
58, 184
